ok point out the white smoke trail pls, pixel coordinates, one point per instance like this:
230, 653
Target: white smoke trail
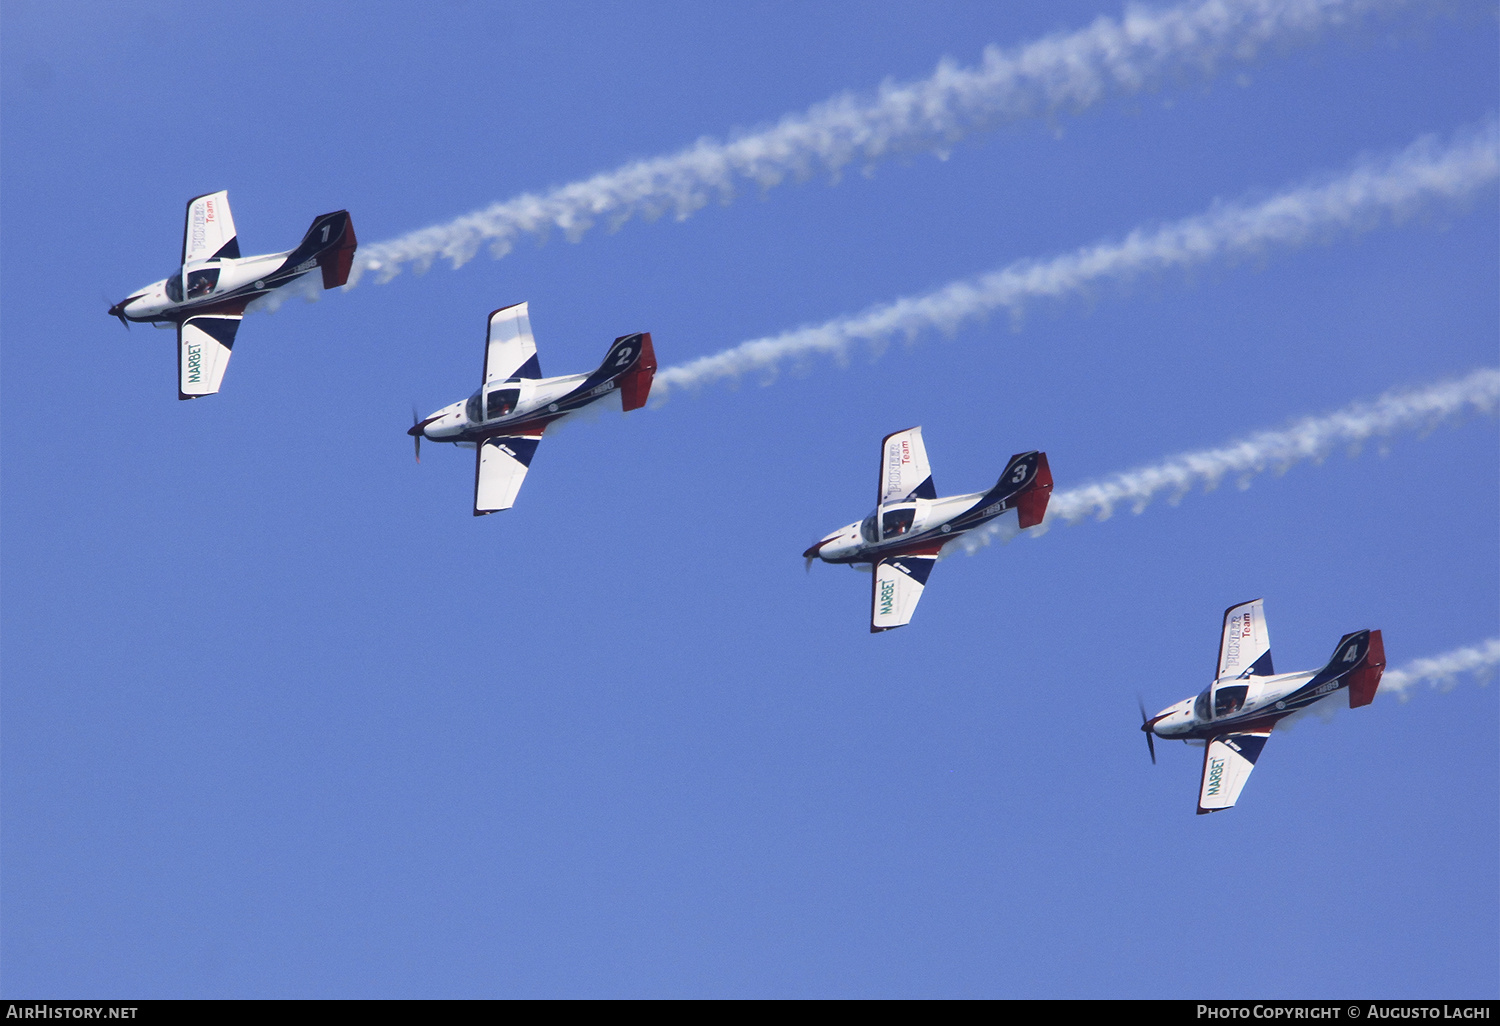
1443, 672
1394, 186
1065, 71
1311, 438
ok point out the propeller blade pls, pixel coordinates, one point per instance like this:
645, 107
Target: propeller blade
416, 432
812, 554
1146, 726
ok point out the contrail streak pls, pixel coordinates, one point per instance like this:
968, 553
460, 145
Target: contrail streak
1443, 672
1311, 438
1062, 72
1391, 187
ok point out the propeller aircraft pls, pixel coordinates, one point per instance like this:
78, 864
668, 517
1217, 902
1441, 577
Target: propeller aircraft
901, 539
1233, 716
205, 297
504, 420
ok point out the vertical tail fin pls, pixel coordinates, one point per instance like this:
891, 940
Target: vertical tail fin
330, 242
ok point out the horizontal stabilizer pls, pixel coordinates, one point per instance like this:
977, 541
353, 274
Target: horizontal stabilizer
204, 344
1227, 762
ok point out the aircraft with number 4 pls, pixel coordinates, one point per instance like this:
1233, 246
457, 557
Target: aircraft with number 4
205, 297
504, 420
900, 540
1233, 716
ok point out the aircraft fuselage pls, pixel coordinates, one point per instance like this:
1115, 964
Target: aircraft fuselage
903, 527
206, 285
536, 403
1264, 701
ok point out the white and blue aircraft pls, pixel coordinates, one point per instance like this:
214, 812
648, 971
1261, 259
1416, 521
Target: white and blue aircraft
206, 296
901, 540
504, 420
1233, 716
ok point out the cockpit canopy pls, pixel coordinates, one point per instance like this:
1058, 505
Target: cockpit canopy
202, 281
492, 402
1227, 700
894, 521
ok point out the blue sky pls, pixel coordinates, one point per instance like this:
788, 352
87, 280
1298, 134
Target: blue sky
282, 719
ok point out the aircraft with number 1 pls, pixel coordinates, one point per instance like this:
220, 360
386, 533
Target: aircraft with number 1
1233, 716
900, 540
206, 296
504, 420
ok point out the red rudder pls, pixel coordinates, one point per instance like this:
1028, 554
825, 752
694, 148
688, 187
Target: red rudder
635, 387
1031, 505
1364, 681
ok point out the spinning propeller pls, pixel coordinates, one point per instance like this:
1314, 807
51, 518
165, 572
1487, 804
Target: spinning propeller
811, 554
1146, 723
417, 424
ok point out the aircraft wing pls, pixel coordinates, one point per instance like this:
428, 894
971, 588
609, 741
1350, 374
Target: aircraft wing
1245, 643
209, 231
896, 588
904, 472
1227, 762
511, 351
203, 347
500, 467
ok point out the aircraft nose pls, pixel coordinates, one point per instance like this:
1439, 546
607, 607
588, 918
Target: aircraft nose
812, 551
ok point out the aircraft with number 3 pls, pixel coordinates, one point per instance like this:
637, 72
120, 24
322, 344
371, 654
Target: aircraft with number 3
900, 540
1233, 716
504, 420
206, 296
